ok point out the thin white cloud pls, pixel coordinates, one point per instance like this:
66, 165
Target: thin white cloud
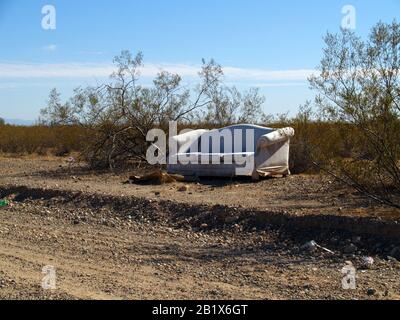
280, 84
50, 47
70, 70
96, 53
268, 75
91, 70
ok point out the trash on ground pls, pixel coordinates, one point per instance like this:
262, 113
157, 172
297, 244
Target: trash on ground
155, 177
309, 246
312, 246
367, 262
269, 146
3, 203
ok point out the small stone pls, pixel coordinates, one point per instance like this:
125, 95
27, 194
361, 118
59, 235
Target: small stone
204, 226
386, 293
237, 226
371, 291
183, 188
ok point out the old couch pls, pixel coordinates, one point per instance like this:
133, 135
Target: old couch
239, 150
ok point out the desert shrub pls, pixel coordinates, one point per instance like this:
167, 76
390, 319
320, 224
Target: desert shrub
359, 87
315, 139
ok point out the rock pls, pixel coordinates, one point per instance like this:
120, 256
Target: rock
386, 293
349, 249
371, 291
237, 227
183, 188
204, 226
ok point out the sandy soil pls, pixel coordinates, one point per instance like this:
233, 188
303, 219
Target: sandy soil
102, 252
302, 194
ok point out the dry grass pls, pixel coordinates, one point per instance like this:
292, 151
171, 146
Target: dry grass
41, 140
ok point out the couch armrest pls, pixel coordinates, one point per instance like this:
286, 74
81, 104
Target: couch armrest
280, 135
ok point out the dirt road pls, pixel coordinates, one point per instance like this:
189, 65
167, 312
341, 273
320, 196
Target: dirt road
103, 251
103, 257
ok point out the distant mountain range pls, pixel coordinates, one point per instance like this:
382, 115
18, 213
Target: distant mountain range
20, 122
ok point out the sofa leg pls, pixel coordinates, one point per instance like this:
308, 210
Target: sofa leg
255, 176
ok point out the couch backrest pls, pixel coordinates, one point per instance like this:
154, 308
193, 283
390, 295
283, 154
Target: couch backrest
218, 138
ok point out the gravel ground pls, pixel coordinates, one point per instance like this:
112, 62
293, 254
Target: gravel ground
100, 256
300, 194
103, 251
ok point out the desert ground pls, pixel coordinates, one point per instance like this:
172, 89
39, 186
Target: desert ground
206, 239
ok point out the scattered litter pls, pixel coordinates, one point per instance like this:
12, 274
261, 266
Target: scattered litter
312, 246
3, 203
309, 246
367, 262
155, 177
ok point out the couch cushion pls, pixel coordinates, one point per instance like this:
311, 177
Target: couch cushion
222, 157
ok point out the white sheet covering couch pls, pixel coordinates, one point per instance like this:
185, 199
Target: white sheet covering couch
239, 150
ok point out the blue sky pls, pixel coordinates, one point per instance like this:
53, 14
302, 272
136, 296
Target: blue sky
273, 45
